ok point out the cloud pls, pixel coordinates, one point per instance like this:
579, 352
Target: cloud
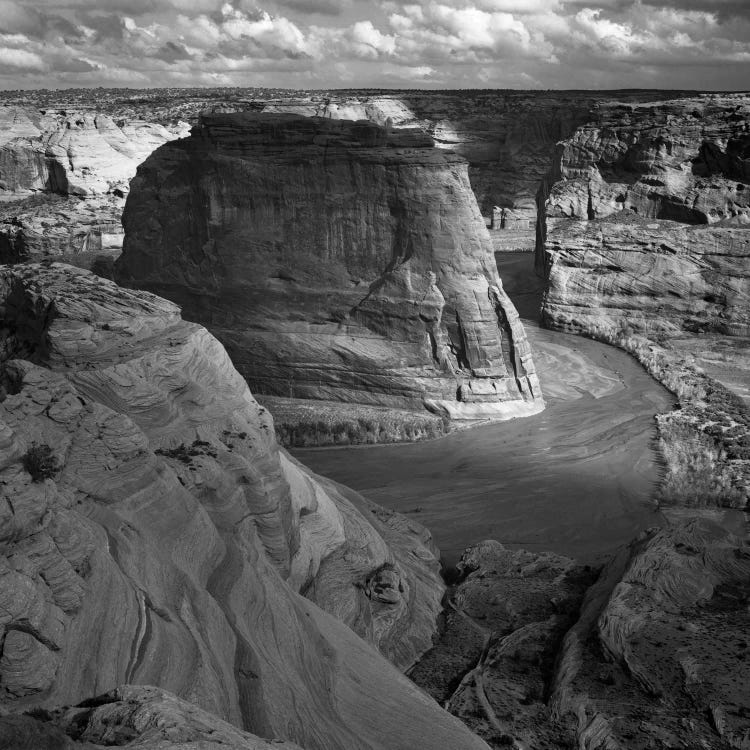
20, 59
329, 43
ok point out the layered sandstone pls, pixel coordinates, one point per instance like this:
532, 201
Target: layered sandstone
335, 260
655, 276
155, 534
680, 160
63, 178
72, 153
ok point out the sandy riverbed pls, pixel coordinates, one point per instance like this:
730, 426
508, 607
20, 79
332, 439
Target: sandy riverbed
576, 479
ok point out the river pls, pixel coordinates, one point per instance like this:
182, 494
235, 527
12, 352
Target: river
576, 479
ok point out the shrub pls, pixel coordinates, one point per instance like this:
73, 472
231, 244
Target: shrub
40, 462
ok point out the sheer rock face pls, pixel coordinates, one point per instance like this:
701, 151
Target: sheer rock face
335, 260
87, 158
72, 153
164, 539
659, 655
617, 212
653, 276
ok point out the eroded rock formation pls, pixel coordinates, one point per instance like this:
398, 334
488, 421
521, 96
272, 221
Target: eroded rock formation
155, 534
335, 260
86, 157
654, 276
682, 163
659, 655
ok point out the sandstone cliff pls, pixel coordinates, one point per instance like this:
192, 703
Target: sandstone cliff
681, 160
154, 533
86, 157
335, 260
643, 238
72, 153
655, 276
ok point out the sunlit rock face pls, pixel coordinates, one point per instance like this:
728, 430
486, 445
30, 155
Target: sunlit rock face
72, 153
155, 534
506, 136
618, 235
335, 260
63, 178
653, 276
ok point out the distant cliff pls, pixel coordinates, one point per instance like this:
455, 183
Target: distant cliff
63, 178
335, 260
154, 533
683, 163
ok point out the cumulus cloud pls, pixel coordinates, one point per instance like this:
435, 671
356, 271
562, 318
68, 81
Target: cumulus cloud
328, 43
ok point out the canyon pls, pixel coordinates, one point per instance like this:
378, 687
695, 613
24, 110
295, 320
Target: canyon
174, 577
165, 538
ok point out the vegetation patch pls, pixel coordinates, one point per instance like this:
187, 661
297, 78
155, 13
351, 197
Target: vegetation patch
705, 442
305, 423
40, 462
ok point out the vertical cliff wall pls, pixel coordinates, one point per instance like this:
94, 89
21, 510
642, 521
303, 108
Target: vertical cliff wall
619, 211
335, 260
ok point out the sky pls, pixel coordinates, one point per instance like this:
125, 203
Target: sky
309, 44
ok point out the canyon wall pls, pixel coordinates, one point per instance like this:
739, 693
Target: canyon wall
63, 178
335, 260
618, 211
155, 534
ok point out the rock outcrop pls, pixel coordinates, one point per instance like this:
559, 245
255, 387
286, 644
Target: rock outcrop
335, 260
655, 653
653, 276
133, 716
154, 534
494, 664
659, 654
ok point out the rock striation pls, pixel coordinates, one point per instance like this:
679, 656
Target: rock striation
644, 175
63, 178
155, 534
654, 276
73, 153
335, 260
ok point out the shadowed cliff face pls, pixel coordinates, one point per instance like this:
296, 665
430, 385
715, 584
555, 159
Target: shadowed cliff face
335, 260
614, 236
156, 534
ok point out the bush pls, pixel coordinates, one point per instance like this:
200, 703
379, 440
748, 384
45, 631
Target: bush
40, 462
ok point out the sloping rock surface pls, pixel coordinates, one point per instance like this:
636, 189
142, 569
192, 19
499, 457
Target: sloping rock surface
153, 533
335, 260
659, 657
132, 716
